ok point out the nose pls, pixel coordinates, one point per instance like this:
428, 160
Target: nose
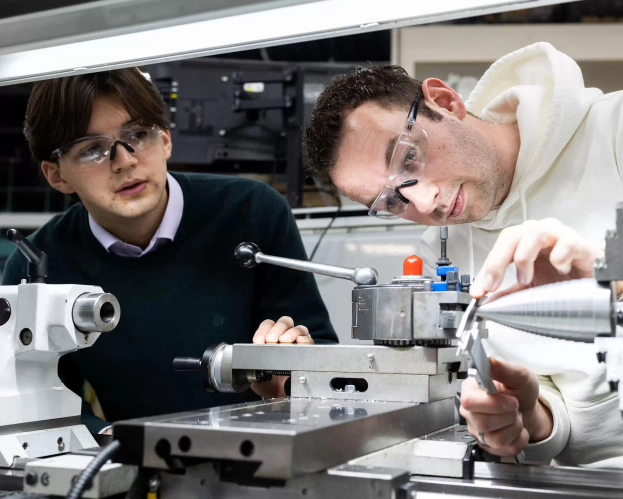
421, 196
121, 157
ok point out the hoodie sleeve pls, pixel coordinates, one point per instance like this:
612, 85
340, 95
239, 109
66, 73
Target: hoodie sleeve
549, 448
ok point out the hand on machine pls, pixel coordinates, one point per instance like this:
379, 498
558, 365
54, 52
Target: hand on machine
283, 331
555, 296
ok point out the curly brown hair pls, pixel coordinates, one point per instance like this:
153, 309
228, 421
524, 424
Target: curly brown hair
387, 86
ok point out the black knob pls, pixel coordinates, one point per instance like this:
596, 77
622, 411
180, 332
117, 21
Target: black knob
245, 255
202, 365
37, 259
186, 364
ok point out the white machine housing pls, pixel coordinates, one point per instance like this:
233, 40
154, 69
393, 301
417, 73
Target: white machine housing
39, 415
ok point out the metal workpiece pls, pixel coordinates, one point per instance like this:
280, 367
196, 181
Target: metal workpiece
416, 388
282, 438
96, 312
577, 310
344, 358
249, 255
405, 313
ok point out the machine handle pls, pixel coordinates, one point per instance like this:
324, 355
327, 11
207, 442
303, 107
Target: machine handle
186, 364
248, 255
37, 259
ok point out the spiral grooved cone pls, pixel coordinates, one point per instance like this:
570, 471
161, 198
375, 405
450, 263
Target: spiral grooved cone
573, 310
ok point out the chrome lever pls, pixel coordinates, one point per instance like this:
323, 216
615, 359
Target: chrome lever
249, 255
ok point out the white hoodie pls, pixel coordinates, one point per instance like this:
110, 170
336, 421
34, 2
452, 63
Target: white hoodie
569, 168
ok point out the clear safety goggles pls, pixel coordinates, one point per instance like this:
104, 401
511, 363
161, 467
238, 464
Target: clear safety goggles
406, 164
97, 149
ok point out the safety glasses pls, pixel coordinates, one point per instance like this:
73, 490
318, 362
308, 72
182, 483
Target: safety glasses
98, 149
407, 162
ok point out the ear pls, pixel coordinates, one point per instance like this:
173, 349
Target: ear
168, 144
443, 98
52, 172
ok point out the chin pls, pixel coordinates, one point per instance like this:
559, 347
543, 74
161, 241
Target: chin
135, 208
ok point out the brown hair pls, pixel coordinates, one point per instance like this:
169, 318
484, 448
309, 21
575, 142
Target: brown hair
59, 111
388, 86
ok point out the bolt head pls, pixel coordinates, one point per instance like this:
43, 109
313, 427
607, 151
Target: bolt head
302, 380
31, 478
370, 357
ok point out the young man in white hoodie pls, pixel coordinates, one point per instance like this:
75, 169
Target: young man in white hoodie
531, 142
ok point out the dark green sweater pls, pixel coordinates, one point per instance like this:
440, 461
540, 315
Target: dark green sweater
180, 298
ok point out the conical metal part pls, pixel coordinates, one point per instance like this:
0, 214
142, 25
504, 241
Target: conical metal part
575, 310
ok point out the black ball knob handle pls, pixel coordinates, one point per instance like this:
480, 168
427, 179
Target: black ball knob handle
246, 254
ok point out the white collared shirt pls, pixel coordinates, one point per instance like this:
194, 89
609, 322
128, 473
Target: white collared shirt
165, 233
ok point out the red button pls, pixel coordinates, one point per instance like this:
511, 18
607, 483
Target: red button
413, 265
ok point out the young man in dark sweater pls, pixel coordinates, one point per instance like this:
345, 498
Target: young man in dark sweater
162, 243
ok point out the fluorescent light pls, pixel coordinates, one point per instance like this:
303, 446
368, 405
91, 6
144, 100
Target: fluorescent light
227, 30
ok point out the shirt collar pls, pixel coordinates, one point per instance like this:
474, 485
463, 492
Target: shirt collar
166, 231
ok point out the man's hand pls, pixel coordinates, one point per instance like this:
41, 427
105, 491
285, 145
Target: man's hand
282, 331
511, 419
544, 252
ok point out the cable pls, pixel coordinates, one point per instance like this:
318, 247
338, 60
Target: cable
85, 477
326, 229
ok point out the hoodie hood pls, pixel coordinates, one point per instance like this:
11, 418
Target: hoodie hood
542, 90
